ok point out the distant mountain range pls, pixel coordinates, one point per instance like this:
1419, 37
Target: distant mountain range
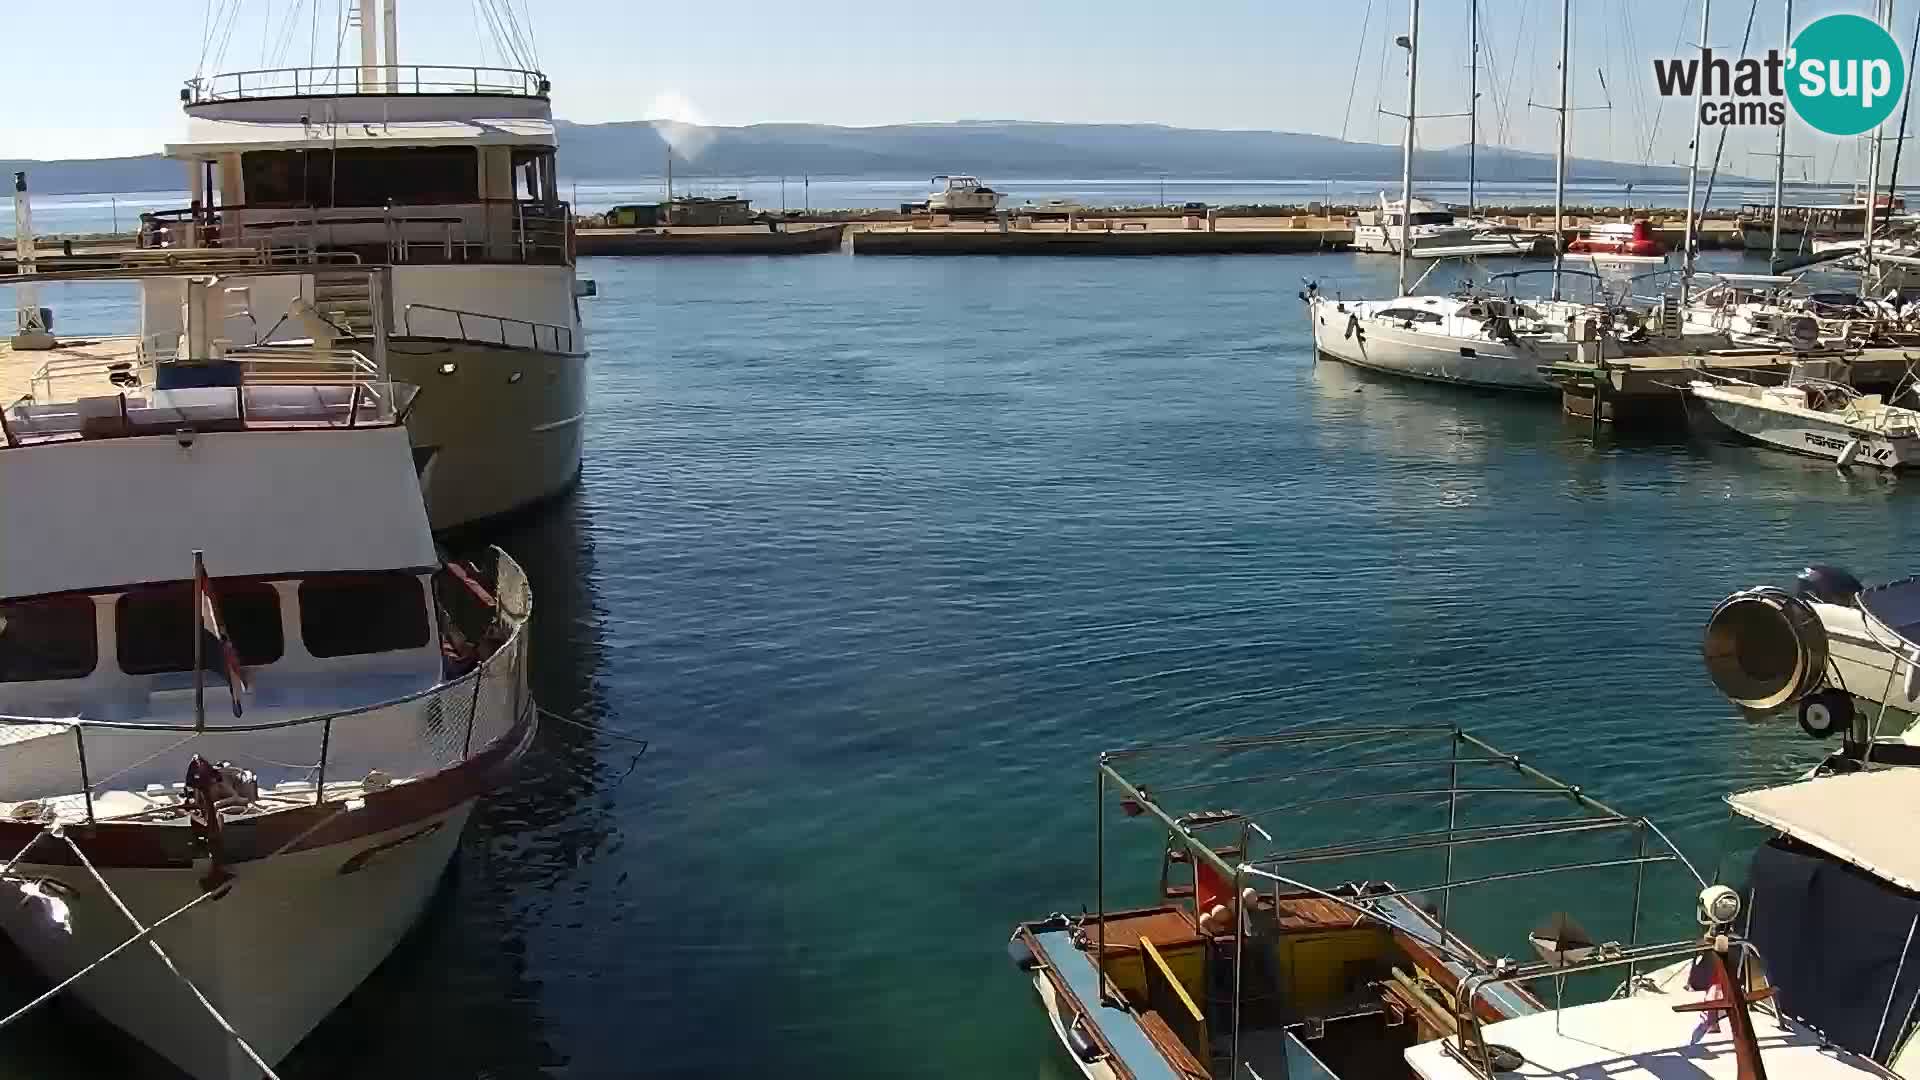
633, 150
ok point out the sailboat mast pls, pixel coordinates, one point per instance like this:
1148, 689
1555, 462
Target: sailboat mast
1560, 157
1406, 158
1473, 95
1693, 173
1873, 173
1780, 164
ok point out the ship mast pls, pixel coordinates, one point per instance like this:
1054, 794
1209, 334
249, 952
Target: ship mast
1473, 95
1412, 43
1780, 165
1693, 170
1560, 156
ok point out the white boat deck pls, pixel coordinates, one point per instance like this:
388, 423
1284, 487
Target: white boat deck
87, 355
1642, 1038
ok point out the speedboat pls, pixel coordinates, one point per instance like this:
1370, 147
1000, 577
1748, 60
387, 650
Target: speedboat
1281, 950
1433, 232
961, 195
245, 706
1815, 416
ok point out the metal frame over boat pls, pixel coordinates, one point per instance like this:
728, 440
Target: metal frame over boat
1272, 963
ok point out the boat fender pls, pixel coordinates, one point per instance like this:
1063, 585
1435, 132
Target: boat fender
1021, 954
1826, 712
1354, 328
1080, 1041
1848, 453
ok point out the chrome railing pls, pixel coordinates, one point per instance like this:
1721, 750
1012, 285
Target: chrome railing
557, 338
406, 738
354, 79
513, 231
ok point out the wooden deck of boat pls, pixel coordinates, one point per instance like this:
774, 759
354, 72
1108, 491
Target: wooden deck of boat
18, 367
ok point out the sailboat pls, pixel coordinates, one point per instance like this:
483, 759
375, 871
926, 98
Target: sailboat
1471, 339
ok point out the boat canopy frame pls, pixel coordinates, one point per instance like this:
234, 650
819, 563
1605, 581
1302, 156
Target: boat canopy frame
1462, 752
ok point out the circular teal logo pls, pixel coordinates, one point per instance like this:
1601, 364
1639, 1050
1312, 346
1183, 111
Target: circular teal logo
1845, 74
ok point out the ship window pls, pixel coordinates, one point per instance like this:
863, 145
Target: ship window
409, 176
1433, 218
154, 627
363, 613
51, 638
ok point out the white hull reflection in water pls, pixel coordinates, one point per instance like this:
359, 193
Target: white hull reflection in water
1817, 419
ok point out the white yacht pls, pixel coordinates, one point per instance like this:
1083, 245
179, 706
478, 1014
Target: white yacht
961, 195
1490, 342
1434, 233
447, 174
245, 710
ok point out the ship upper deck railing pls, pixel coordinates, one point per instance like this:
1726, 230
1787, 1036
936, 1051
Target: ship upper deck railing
335, 81
498, 231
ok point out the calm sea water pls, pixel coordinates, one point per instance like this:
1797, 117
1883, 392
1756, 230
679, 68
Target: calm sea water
879, 553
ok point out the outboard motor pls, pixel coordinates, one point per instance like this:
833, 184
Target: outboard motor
1765, 648
1826, 585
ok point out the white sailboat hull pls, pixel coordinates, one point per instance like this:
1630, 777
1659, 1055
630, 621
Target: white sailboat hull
287, 944
1379, 345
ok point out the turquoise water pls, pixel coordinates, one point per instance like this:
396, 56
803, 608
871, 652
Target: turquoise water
879, 553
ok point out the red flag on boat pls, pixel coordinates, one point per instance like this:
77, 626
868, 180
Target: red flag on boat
219, 644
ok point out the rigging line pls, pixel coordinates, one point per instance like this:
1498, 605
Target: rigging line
206, 37
533, 46
1893, 175
509, 40
1353, 84
233, 21
513, 24
1380, 71
1660, 113
1721, 147
500, 41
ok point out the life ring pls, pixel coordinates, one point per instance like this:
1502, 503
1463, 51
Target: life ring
1353, 327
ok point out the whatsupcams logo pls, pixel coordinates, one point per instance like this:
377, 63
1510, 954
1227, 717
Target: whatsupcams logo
1842, 76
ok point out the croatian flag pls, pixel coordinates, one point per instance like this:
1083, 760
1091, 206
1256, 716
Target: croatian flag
218, 647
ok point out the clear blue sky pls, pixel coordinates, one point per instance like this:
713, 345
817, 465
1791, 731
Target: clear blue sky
100, 77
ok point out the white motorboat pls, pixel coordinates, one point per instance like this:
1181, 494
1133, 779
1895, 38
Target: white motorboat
264, 832
1817, 417
1434, 232
1843, 658
449, 175
961, 196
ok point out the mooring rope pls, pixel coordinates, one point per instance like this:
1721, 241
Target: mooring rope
616, 736
245, 1047
110, 954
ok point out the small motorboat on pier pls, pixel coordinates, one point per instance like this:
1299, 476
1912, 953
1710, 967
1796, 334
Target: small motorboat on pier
1277, 948
245, 707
